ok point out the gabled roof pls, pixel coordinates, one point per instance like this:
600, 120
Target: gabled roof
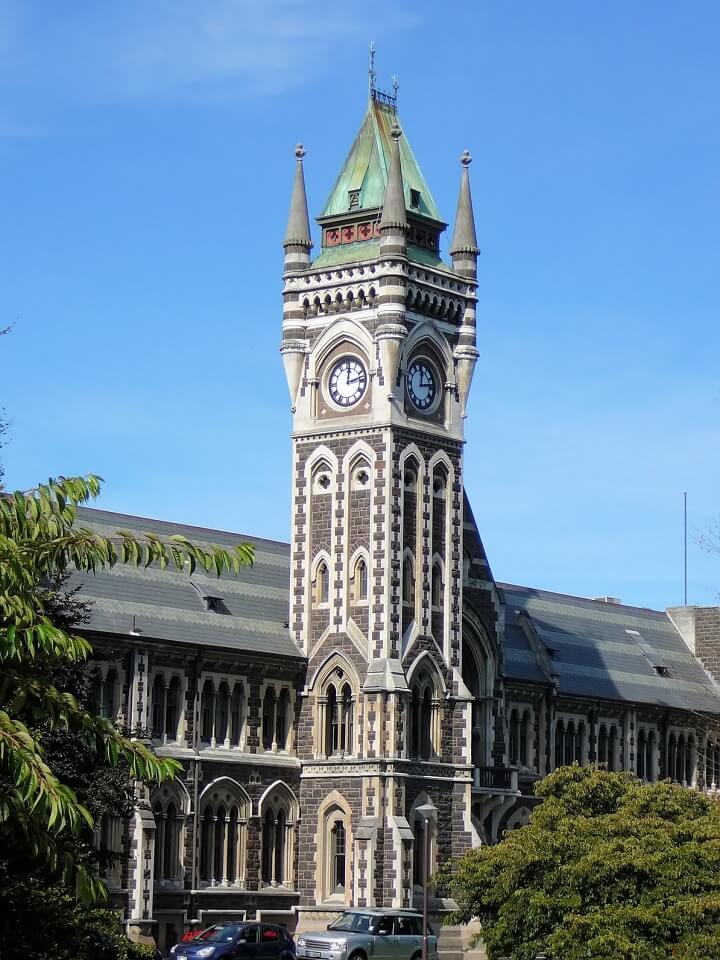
367, 164
603, 650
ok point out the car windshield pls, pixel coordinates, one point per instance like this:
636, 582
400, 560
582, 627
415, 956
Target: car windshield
361, 922
223, 934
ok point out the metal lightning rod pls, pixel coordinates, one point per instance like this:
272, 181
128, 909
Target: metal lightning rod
685, 540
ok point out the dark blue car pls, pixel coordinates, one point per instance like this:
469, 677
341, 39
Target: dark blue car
240, 941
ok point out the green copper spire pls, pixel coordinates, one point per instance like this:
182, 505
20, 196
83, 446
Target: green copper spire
363, 178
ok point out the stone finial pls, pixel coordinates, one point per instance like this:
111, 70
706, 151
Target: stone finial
466, 159
395, 131
299, 151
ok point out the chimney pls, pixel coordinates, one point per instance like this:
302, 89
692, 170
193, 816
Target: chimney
700, 629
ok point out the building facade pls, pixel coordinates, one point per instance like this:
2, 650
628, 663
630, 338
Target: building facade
370, 685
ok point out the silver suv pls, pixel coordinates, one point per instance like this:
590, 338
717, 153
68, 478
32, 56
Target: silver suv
362, 934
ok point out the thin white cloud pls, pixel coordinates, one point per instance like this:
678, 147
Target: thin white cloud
194, 48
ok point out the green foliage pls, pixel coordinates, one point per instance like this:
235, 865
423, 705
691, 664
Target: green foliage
608, 868
40, 541
45, 920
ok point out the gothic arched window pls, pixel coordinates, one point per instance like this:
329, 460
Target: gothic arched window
278, 812
408, 581
423, 728
436, 586
268, 718
514, 737
223, 823
169, 823
524, 731
360, 580
339, 720
559, 743
207, 711
322, 583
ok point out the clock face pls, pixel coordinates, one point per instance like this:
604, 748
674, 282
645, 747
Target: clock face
421, 384
347, 382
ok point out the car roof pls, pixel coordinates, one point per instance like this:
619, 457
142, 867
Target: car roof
377, 912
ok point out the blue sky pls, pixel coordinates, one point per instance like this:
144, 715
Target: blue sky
145, 169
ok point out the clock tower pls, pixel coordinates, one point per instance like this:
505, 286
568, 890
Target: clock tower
379, 348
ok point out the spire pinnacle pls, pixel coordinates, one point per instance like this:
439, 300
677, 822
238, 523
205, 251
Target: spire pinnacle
298, 227
464, 239
394, 217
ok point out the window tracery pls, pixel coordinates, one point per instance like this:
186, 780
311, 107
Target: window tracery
224, 811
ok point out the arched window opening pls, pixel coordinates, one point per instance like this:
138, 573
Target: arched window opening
569, 744
109, 844
207, 712
641, 754
322, 583
408, 582
281, 723
337, 856
436, 586
602, 749
236, 716
268, 843
524, 731
514, 738
439, 484
223, 838
651, 757
672, 757
172, 709
422, 871
158, 706
579, 742
559, 743
222, 714
410, 479
360, 581
277, 840
613, 758
268, 719
109, 707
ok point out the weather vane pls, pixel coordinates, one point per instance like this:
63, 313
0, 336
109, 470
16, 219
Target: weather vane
371, 71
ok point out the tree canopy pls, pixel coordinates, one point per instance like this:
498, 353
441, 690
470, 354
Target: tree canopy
40, 541
608, 868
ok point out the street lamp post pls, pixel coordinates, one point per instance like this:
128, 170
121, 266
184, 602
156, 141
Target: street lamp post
427, 812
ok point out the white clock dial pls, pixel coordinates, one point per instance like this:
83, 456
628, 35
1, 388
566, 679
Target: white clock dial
421, 384
347, 381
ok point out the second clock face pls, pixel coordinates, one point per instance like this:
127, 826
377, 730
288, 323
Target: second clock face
347, 381
421, 385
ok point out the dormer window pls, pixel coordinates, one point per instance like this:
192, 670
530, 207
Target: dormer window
353, 199
415, 199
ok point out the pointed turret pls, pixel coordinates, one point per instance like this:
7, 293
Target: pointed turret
297, 242
394, 216
464, 249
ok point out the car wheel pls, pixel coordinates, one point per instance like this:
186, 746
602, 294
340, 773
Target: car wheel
416, 956
358, 955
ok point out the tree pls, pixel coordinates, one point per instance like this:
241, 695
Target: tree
40, 541
608, 868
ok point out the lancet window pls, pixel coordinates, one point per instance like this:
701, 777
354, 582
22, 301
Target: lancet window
276, 719
169, 827
222, 717
165, 707
424, 741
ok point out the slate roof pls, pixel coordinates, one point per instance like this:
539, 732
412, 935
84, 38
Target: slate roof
604, 650
594, 649
167, 607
